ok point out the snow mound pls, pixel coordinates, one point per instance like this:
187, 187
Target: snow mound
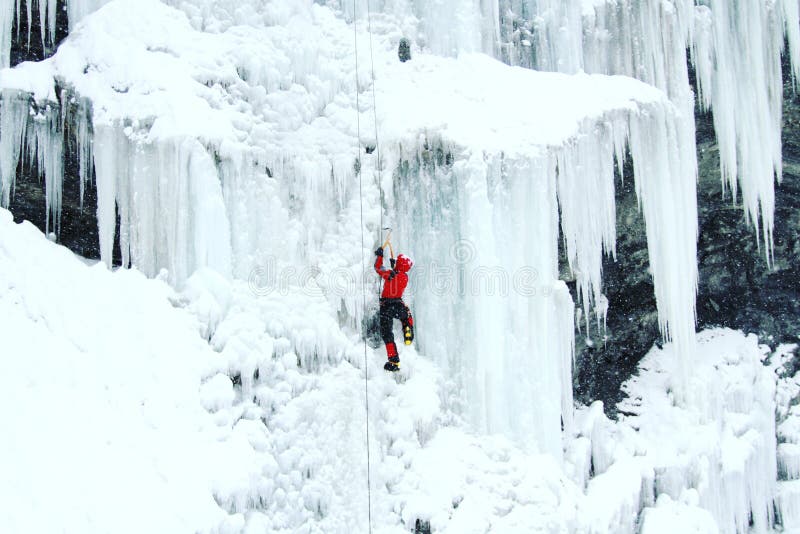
102, 380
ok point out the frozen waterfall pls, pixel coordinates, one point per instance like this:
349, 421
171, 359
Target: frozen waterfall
228, 140
224, 136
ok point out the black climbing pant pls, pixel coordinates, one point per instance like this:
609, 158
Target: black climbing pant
393, 309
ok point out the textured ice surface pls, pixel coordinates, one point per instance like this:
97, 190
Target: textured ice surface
224, 138
233, 147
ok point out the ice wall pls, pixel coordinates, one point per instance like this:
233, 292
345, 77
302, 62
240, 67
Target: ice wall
486, 227
169, 201
229, 140
735, 48
245, 165
495, 315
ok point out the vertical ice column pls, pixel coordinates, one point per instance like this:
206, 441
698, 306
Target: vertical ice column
47, 20
209, 229
169, 202
588, 205
538, 324
484, 234
14, 114
7, 11
665, 175
558, 35
452, 26
109, 161
46, 142
77, 118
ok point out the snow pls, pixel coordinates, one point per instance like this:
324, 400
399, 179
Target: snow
726, 449
205, 407
706, 465
671, 516
103, 378
111, 379
224, 136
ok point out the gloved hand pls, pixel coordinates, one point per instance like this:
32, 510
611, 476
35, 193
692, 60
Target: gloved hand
392, 262
379, 252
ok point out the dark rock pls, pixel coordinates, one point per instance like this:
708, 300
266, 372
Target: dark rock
404, 50
422, 527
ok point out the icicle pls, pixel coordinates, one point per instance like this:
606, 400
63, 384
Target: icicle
791, 15
82, 125
43, 10
49, 146
14, 113
6, 24
17, 11
76, 10
43, 136
52, 8
666, 176
566, 350
29, 13
746, 95
169, 202
588, 232
107, 158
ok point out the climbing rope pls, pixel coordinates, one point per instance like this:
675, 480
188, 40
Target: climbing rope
379, 164
363, 263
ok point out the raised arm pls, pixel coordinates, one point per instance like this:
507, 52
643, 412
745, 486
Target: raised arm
382, 271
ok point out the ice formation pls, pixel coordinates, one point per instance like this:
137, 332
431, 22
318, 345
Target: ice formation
245, 124
718, 473
282, 447
223, 137
191, 169
649, 40
110, 378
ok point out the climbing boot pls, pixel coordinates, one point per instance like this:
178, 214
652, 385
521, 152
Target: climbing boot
408, 334
392, 365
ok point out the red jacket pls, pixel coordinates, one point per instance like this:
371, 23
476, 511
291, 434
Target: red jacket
395, 281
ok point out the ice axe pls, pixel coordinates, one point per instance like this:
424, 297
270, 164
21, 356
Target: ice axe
388, 242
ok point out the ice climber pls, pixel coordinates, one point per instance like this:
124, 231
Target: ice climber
392, 305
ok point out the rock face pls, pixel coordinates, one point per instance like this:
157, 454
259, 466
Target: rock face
737, 289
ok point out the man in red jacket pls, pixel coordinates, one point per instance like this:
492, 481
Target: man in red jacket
395, 281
